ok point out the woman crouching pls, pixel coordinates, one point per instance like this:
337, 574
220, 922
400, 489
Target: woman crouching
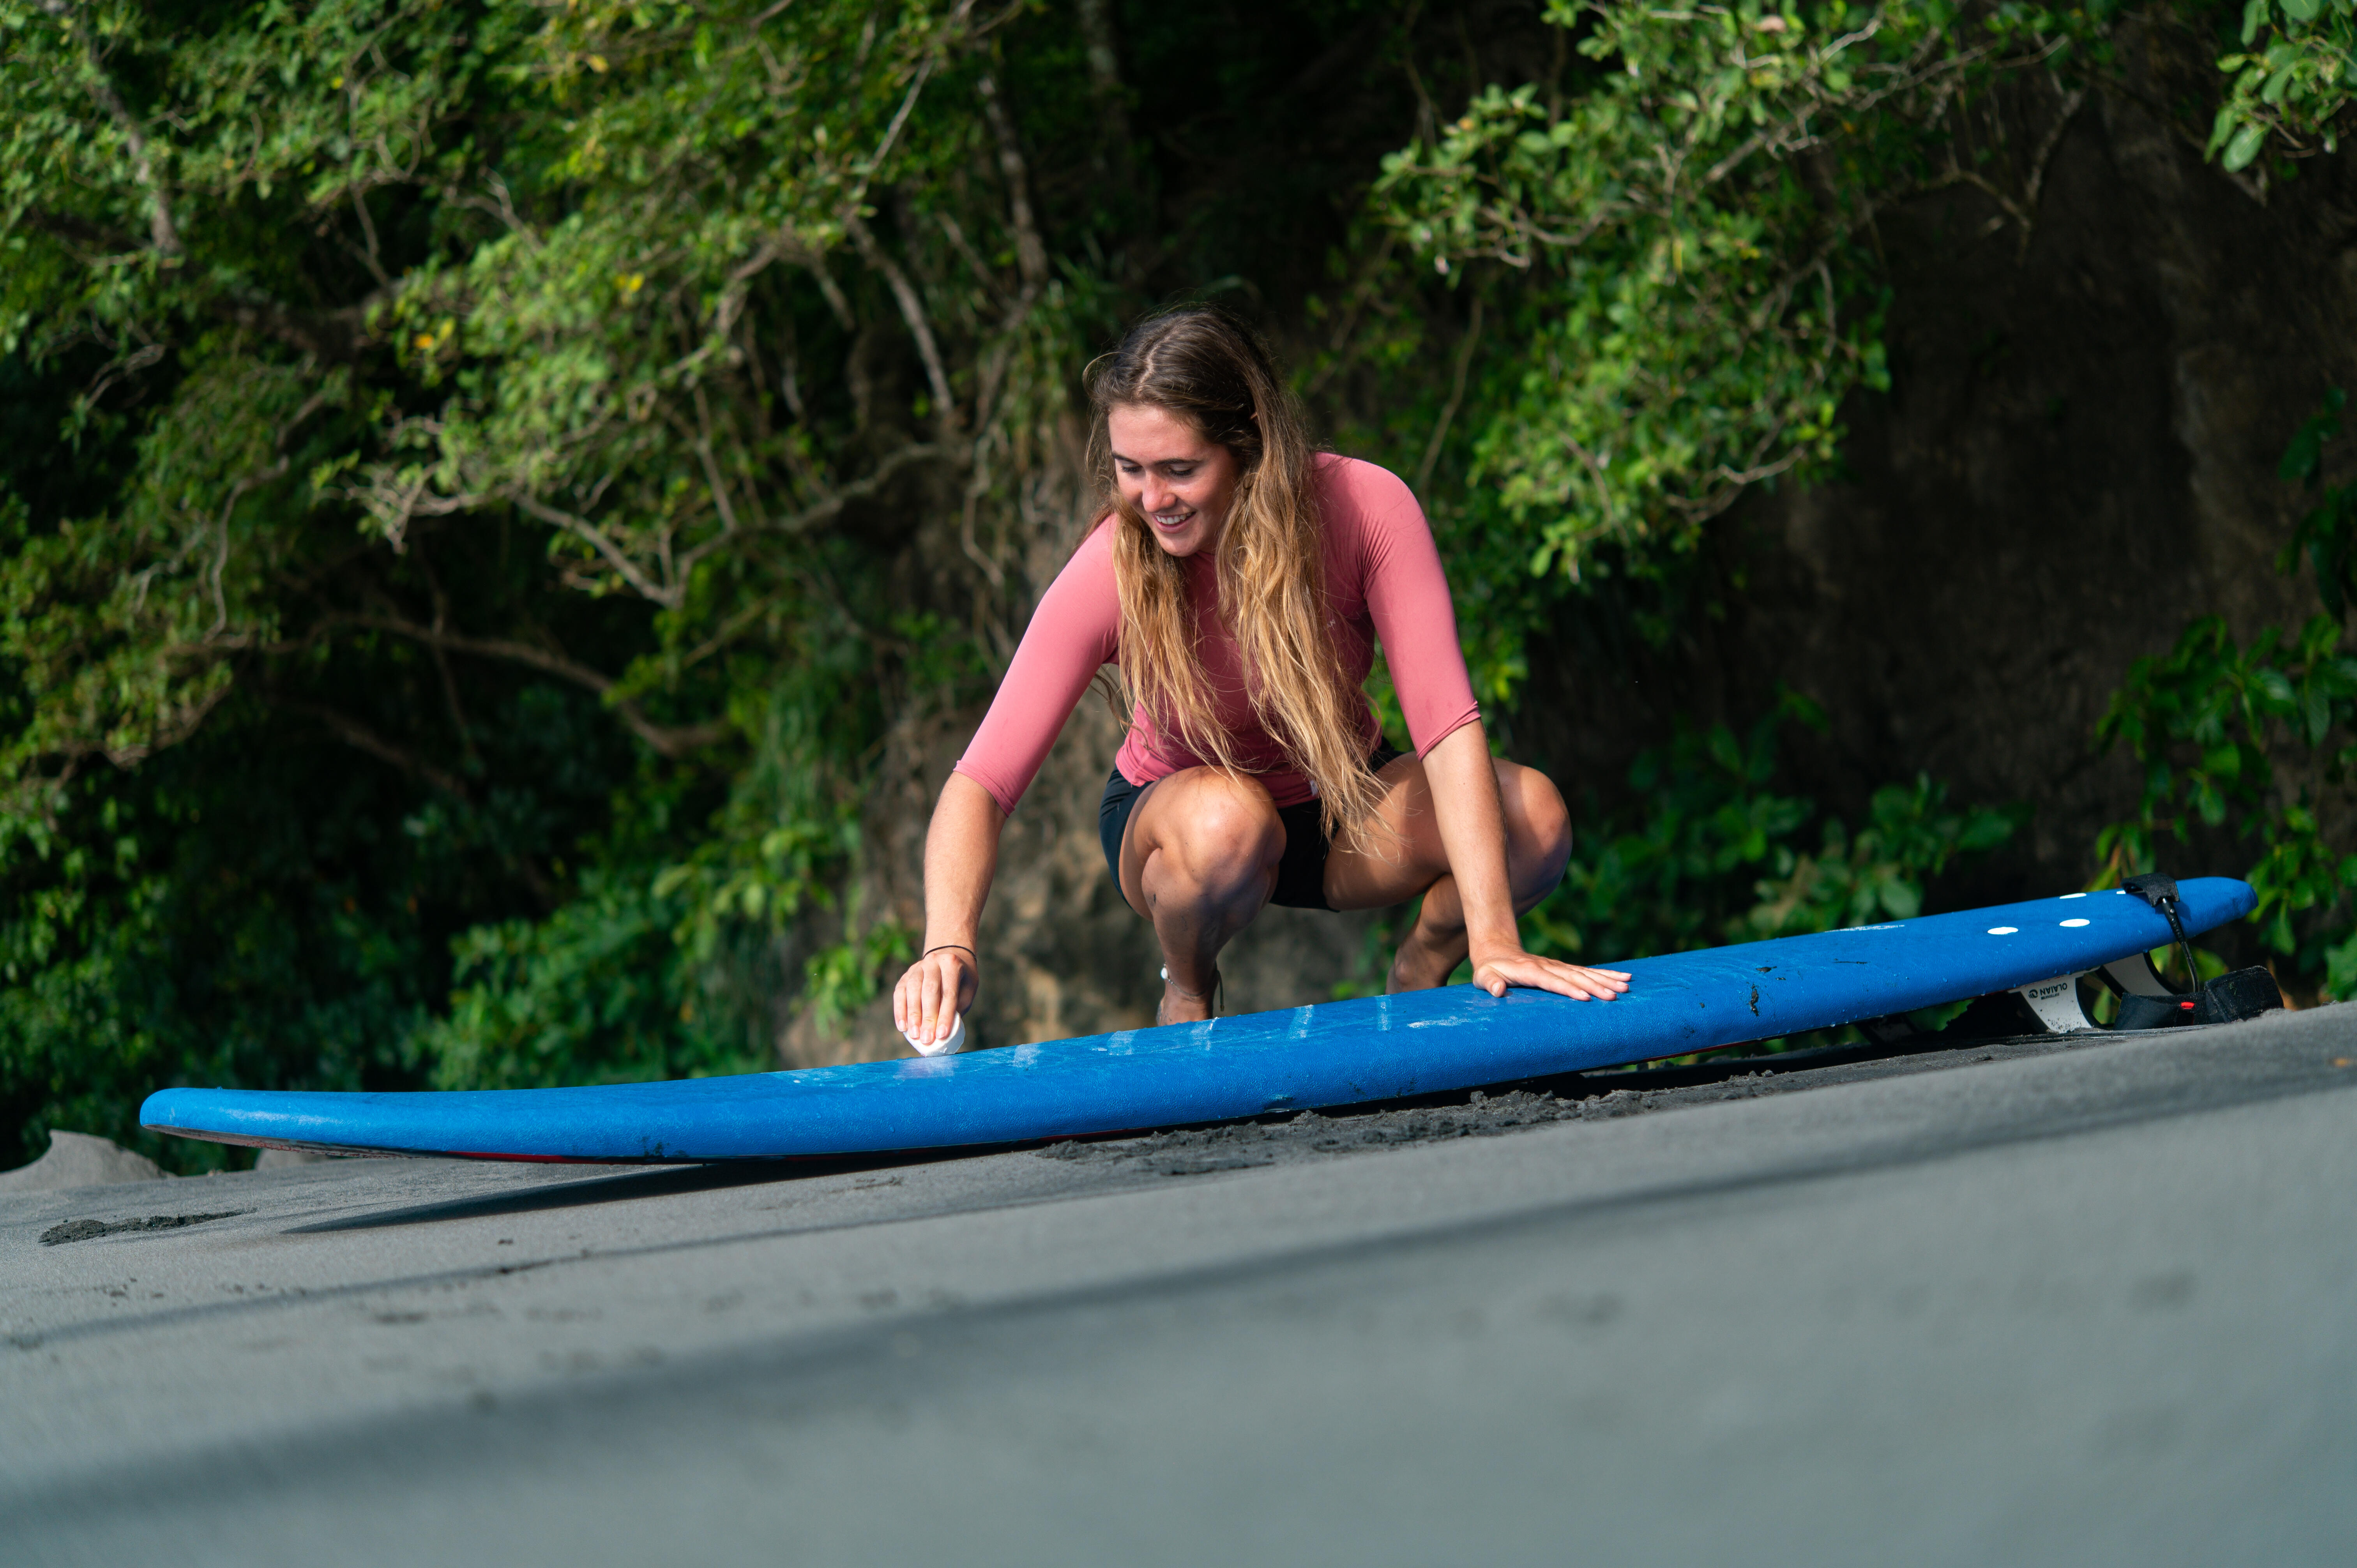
1241, 580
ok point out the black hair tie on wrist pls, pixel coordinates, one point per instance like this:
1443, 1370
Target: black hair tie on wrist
945, 945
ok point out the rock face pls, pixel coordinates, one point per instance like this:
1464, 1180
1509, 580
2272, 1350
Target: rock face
78, 1159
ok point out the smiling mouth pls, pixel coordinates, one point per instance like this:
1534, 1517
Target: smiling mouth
1173, 519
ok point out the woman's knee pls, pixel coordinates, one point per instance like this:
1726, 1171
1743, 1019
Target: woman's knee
1225, 832
1538, 825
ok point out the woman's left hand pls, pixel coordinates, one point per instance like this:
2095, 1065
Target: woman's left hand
1495, 971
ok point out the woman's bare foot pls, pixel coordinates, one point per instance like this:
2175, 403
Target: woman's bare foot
1422, 963
1434, 947
1180, 1006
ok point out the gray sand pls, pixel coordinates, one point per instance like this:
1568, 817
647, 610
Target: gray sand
2080, 1302
79, 1159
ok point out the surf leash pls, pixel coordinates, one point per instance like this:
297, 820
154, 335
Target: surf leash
2161, 892
2244, 994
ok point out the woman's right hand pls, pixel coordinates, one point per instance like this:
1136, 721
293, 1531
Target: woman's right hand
938, 989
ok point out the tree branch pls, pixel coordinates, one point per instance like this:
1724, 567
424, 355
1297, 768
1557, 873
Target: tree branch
912, 311
370, 257
353, 732
181, 723
828, 289
162, 233
1104, 75
859, 489
714, 481
1031, 253
950, 29
1456, 396
2073, 101
670, 596
80, 231
333, 335
827, 508
668, 739
964, 247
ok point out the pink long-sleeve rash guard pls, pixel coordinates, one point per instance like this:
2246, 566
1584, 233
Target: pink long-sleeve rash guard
1382, 580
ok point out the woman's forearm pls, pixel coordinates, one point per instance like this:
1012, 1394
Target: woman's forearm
961, 858
1472, 823
960, 854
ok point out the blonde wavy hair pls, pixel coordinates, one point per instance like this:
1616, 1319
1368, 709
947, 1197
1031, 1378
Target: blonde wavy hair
1204, 366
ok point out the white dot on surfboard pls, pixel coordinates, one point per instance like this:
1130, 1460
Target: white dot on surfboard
2075, 922
2075, 895
2003, 930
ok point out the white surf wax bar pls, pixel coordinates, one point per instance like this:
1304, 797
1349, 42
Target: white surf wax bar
949, 1048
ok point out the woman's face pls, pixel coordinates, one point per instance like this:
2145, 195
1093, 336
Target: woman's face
1180, 481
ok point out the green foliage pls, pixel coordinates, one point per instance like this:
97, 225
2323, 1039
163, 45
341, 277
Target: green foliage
600, 993
2290, 80
1714, 855
2325, 533
1690, 303
1665, 267
1684, 340
242, 911
2259, 742
1911, 836
846, 977
427, 358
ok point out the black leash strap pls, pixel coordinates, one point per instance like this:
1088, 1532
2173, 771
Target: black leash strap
2161, 892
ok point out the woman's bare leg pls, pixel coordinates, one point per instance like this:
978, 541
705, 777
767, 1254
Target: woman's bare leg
1199, 858
1391, 866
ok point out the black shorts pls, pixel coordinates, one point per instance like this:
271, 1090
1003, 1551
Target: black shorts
1300, 872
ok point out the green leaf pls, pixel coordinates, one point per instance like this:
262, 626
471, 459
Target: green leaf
2245, 146
2304, 455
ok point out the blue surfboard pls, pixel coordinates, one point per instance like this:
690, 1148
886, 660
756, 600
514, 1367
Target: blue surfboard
1340, 1053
